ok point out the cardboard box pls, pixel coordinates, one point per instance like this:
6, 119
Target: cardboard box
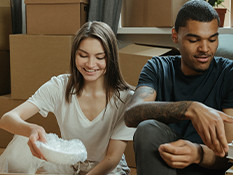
34, 59
55, 16
7, 103
133, 57
5, 24
129, 155
150, 13
4, 72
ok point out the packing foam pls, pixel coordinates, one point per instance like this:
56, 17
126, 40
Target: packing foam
60, 151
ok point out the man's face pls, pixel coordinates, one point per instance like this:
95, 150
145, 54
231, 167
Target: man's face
198, 42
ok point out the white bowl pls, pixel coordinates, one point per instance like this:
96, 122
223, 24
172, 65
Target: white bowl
59, 151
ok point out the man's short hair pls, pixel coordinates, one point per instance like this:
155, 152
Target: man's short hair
198, 10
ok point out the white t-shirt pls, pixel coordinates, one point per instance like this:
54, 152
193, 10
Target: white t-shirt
72, 122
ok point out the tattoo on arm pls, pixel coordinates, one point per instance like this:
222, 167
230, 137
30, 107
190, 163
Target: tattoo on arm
166, 112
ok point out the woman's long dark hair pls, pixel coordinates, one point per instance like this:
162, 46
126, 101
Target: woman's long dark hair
113, 79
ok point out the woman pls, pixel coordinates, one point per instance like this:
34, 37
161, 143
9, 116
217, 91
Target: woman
88, 104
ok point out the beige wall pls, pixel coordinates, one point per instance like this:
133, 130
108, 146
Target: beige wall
231, 13
227, 4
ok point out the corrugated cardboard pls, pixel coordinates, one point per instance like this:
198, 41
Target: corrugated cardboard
34, 59
4, 72
133, 57
150, 13
7, 103
5, 24
129, 155
55, 16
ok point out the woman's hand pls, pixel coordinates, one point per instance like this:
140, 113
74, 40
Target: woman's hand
37, 134
180, 154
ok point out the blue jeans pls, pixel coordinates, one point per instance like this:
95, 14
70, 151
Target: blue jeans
150, 134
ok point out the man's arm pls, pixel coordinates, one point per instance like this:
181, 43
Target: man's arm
208, 122
143, 107
173, 153
182, 153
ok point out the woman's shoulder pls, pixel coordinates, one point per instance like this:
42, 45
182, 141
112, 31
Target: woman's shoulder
127, 92
60, 79
125, 95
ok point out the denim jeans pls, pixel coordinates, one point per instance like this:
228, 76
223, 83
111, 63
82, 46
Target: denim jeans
150, 134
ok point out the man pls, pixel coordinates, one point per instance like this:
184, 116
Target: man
183, 105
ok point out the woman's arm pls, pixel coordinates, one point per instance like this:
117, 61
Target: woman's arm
14, 122
114, 154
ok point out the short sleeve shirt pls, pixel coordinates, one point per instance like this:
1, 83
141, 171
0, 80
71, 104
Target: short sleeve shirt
213, 87
72, 122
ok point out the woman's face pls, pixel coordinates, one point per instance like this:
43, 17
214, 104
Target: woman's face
91, 60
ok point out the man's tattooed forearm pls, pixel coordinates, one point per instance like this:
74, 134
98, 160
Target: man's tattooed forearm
167, 112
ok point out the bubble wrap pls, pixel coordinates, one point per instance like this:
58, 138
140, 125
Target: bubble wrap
60, 151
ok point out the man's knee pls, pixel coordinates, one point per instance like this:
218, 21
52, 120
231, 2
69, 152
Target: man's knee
153, 132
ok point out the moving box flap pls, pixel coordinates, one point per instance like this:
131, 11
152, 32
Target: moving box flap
141, 50
133, 57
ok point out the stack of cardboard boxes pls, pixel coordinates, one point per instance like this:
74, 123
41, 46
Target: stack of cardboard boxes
43, 52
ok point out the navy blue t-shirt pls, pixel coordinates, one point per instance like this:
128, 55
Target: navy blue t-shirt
213, 88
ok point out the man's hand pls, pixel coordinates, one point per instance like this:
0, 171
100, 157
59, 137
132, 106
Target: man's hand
209, 123
180, 154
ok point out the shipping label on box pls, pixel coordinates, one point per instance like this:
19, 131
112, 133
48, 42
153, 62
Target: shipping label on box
133, 57
34, 59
